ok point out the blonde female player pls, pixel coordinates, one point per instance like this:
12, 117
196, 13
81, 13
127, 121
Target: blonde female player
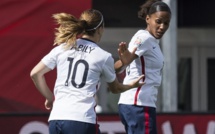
137, 107
80, 65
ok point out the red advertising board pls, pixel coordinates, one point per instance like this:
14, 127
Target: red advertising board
110, 123
27, 34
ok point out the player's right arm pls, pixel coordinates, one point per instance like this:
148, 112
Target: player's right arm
117, 87
37, 75
109, 76
125, 57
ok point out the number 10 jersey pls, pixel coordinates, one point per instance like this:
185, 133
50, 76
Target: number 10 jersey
79, 70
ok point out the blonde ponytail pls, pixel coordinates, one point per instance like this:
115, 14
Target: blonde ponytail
69, 29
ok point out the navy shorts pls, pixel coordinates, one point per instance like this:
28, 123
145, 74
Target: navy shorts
72, 127
138, 119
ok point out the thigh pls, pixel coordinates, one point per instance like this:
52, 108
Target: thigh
76, 127
55, 127
138, 119
72, 127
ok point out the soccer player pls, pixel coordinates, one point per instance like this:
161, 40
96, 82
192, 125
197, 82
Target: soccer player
80, 64
137, 107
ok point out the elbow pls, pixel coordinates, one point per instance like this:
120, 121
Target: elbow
115, 90
115, 87
33, 75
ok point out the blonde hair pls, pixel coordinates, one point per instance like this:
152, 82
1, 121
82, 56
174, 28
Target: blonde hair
70, 28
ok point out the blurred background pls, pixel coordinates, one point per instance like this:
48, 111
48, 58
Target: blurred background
193, 31
27, 34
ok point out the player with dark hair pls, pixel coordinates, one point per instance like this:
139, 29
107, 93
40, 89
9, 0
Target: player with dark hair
80, 64
137, 107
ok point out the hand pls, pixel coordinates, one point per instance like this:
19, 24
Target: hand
48, 104
137, 83
125, 55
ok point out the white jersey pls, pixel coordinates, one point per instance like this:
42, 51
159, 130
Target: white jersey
150, 62
78, 74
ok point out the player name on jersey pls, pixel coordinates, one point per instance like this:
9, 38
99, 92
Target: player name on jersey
84, 48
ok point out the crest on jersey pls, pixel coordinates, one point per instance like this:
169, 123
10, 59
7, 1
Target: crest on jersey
138, 42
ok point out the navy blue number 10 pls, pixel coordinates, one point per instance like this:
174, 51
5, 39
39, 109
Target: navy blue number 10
74, 72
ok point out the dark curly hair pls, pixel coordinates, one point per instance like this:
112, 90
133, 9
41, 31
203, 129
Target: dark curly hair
152, 6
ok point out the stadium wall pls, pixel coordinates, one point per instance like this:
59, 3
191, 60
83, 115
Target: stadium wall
168, 123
